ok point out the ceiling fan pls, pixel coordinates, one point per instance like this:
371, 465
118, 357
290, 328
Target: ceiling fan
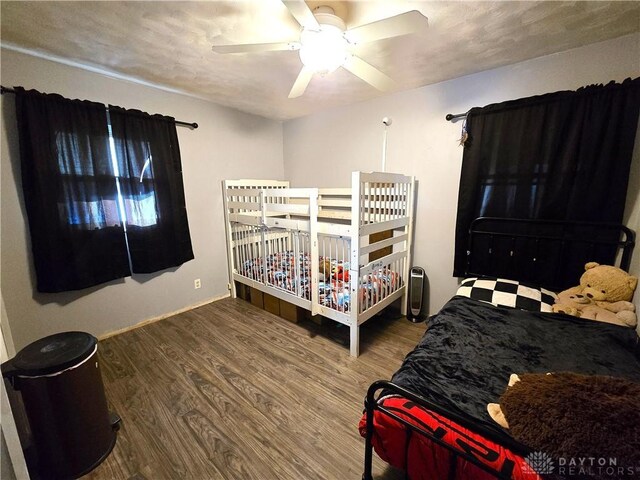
325, 44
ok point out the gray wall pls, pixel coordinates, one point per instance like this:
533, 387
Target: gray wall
321, 149
228, 144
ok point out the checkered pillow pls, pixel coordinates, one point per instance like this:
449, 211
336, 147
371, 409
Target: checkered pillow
507, 293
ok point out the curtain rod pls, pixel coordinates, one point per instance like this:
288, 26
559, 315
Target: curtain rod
4, 90
452, 116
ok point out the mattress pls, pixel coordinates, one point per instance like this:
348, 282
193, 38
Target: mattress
465, 358
287, 272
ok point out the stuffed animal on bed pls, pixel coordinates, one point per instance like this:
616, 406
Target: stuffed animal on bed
604, 295
571, 303
324, 270
339, 273
573, 416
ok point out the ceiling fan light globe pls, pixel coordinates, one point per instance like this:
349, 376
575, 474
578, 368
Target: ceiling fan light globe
323, 50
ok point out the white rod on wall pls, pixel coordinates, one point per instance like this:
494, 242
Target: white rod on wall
386, 121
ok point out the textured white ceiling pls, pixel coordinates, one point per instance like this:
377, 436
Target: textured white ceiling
169, 43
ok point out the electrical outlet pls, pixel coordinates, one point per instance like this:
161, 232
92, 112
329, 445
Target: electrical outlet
196, 283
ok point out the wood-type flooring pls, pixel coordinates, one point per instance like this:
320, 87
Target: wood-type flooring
229, 391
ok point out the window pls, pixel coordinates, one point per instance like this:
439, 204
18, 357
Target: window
138, 208
517, 191
103, 191
559, 156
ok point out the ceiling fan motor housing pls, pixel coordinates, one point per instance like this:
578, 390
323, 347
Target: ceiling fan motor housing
327, 16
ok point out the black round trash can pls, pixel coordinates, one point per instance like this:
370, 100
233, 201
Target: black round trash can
59, 380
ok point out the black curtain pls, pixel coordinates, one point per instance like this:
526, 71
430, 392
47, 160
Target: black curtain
150, 173
559, 156
70, 195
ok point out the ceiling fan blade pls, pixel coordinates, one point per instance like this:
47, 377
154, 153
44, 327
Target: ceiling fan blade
368, 73
256, 47
302, 14
402, 24
304, 77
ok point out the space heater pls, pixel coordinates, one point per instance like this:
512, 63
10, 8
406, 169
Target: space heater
416, 293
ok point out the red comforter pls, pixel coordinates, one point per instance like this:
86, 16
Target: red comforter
426, 460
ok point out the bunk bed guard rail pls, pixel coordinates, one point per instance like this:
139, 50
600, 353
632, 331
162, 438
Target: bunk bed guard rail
269, 224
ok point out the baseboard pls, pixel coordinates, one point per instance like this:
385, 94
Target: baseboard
161, 317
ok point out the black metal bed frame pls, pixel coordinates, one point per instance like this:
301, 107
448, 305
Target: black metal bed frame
372, 404
621, 238
550, 253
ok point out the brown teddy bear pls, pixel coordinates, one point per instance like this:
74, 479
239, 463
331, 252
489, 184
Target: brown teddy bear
567, 414
570, 302
604, 294
325, 270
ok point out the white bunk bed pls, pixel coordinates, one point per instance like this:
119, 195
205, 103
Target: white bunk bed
311, 246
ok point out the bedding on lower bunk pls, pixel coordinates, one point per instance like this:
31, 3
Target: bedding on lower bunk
283, 272
464, 361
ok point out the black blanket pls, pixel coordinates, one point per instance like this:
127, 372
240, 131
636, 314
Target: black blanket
470, 348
